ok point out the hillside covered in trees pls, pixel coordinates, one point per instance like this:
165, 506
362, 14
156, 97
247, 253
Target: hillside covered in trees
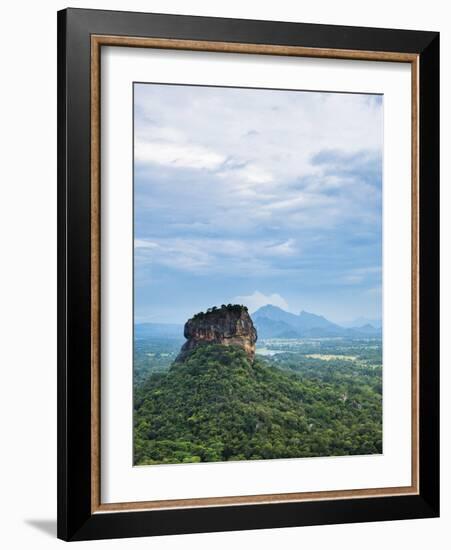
218, 405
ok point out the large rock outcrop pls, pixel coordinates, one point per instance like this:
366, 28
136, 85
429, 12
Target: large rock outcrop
228, 325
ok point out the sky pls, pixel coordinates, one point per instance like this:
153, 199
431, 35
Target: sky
257, 197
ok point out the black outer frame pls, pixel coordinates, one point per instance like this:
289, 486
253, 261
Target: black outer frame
75, 520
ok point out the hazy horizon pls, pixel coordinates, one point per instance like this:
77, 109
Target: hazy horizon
257, 197
355, 322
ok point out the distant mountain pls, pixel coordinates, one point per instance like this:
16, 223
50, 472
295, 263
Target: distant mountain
368, 329
273, 322
268, 328
158, 330
362, 321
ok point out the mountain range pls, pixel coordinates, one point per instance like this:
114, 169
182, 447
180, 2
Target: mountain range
274, 322
362, 321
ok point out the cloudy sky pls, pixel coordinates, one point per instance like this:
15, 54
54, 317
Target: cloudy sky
257, 196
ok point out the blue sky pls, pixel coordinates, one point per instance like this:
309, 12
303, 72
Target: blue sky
256, 197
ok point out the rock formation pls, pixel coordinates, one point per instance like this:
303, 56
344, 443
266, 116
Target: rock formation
228, 325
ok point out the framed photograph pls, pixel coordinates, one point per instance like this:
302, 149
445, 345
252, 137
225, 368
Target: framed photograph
248, 274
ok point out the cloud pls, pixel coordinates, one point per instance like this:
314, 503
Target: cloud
376, 290
203, 255
237, 189
180, 155
314, 158
141, 243
284, 248
361, 274
198, 126
257, 300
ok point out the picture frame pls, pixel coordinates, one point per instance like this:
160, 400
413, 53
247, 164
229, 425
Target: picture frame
81, 36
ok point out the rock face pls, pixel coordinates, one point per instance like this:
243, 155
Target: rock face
228, 325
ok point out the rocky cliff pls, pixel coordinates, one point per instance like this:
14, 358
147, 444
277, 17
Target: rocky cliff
228, 325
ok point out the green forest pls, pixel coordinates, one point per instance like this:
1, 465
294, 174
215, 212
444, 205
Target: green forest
218, 406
